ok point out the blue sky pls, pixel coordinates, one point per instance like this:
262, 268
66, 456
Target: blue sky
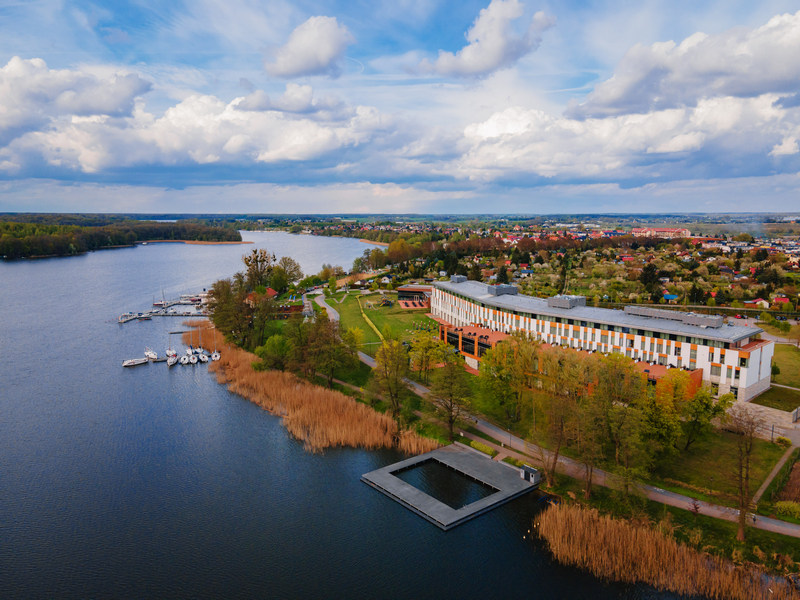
404, 106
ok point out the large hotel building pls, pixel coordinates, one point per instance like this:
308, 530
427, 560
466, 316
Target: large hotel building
473, 316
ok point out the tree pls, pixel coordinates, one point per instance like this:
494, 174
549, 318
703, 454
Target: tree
700, 410
274, 354
745, 423
586, 436
327, 350
426, 351
502, 275
278, 280
450, 389
391, 368
291, 268
259, 264
474, 272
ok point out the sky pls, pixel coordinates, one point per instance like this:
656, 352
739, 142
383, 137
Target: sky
407, 106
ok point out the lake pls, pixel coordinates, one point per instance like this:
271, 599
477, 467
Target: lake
159, 483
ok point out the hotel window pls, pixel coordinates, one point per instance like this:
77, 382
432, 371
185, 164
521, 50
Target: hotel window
652, 345
742, 362
715, 370
603, 338
677, 350
693, 354
630, 345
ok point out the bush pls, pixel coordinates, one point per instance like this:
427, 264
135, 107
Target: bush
483, 448
783, 441
788, 508
776, 370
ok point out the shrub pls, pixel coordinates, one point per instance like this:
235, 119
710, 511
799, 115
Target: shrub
483, 448
788, 508
783, 441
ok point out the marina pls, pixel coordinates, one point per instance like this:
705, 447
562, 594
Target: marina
165, 308
504, 481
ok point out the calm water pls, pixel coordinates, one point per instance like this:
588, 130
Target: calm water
149, 482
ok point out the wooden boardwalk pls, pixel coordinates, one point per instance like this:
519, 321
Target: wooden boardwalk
503, 478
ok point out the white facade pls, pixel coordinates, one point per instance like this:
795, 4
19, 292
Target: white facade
732, 362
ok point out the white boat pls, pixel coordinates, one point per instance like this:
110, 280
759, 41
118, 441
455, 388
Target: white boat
203, 358
190, 350
184, 360
215, 355
171, 360
149, 353
193, 359
132, 362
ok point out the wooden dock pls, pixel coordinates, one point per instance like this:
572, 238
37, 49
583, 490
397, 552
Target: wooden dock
507, 481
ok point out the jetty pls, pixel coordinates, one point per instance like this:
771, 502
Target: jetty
166, 308
505, 481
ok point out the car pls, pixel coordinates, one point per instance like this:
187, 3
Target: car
738, 317
780, 318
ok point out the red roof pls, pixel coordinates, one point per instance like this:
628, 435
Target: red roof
271, 293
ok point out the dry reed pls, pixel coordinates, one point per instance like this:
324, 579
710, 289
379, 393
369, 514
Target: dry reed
620, 551
320, 417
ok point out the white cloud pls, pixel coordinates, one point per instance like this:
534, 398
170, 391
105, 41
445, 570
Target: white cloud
525, 142
493, 42
82, 122
31, 94
786, 147
314, 48
739, 62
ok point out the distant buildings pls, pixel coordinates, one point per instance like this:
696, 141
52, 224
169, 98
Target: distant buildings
661, 232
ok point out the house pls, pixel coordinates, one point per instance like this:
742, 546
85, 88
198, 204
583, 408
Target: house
757, 303
270, 293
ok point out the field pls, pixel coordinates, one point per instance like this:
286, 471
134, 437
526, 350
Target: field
780, 398
397, 321
788, 360
710, 464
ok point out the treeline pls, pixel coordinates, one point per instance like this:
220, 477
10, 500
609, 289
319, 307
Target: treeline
26, 239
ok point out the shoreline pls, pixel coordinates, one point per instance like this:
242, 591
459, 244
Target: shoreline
198, 242
366, 241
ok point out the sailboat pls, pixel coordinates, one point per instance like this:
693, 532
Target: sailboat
172, 360
150, 354
184, 359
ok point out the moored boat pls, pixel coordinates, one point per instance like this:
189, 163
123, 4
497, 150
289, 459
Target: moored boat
193, 359
172, 360
132, 362
184, 360
203, 358
150, 354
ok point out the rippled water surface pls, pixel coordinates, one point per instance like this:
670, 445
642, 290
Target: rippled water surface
157, 483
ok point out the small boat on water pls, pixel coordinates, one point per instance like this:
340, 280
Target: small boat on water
184, 360
215, 355
132, 362
150, 354
193, 359
203, 358
172, 360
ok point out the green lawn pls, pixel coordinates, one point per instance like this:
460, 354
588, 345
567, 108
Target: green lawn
780, 398
710, 464
350, 316
788, 360
793, 333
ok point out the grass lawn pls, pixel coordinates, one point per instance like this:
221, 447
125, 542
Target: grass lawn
710, 465
793, 333
788, 360
350, 316
780, 398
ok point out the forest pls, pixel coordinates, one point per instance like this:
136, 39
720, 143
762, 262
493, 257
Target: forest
65, 235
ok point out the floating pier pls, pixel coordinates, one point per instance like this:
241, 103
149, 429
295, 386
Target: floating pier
507, 481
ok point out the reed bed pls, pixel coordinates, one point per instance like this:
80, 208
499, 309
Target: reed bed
620, 551
320, 417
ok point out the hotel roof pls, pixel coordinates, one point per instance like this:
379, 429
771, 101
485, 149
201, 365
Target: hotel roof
481, 292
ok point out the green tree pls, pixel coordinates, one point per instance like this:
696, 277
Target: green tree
391, 368
502, 275
274, 354
292, 269
450, 389
278, 280
426, 351
327, 351
475, 272
700, 411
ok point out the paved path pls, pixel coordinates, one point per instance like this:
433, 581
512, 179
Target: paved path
333, 314
772, 474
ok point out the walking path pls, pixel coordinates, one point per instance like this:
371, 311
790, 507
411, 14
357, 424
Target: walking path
511, 445
772, 474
